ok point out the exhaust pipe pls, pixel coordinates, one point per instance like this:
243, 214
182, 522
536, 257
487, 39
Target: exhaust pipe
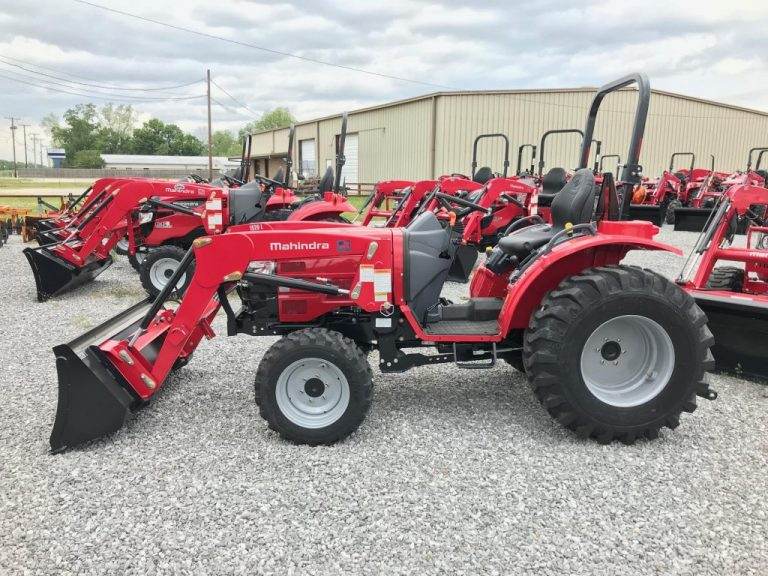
93, 399
54, 275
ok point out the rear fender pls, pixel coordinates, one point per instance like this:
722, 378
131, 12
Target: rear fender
568, 259
321, 209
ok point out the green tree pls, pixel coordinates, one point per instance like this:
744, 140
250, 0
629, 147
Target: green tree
79, 132
224, 143
270, 120
116, 124
86, 159
157, 137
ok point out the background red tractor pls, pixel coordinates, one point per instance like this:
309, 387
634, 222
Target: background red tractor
612, 351
734, 297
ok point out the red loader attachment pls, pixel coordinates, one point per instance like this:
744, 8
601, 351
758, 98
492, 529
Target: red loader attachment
81, 251
735, 298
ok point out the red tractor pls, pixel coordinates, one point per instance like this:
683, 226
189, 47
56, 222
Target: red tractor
707, 189
735, 298
651, 199
612, 351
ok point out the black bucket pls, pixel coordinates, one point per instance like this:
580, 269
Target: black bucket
93, 398
740, 327
47, 237
691, 219
647, 212
463, 263
54, 276
46, 225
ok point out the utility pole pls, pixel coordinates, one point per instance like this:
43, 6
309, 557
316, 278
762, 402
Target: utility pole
13, 138
41, 156
210, 143
34, 147
24, 130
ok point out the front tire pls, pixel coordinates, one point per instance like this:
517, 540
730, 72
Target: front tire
728, 278
314, 387
617, 352
158, 267
669, 217
122, 247
136, 260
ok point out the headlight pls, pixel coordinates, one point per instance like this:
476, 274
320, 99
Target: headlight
145, 217
262, 267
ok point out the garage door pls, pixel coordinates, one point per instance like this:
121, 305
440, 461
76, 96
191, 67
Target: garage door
308, 158
349, 173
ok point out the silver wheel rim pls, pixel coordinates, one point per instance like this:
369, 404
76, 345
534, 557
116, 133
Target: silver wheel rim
312, 393
627, 361
122, 245
162, 270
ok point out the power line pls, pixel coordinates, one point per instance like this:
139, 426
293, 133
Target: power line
3, 59
256, 47
236, 100
125, 96
229, 108
100, 97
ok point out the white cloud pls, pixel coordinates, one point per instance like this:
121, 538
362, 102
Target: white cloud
704, 48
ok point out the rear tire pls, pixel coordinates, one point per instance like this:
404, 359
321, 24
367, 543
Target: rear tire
729, 278
599, 387
159, 266
313, 387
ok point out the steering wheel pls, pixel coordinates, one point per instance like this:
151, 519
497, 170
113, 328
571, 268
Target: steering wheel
197, 179
268, 181
231, 181
460, 175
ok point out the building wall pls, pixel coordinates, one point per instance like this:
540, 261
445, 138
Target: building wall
395, 141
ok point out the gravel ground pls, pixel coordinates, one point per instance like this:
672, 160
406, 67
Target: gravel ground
454, 471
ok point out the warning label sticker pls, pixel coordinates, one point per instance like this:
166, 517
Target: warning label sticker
366, 273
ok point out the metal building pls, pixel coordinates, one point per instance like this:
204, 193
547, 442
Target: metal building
430, 135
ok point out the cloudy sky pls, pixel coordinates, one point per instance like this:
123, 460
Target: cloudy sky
709, 49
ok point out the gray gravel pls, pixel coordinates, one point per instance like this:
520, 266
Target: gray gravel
453, 471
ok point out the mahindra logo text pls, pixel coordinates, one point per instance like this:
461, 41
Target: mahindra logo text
299, 246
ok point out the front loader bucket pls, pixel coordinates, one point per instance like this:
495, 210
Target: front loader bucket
45, 225
463, 263
691, 219
47, 237
740, 327
647, 212
54, 276
93, 400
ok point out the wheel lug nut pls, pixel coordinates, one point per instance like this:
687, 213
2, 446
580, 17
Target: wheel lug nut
602, 361
616, 363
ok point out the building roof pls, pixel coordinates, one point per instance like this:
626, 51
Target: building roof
520, 92
163, 160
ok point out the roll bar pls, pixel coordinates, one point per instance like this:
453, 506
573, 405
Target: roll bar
289, 157
506, 151
602, 159
549, 133
760, 159
752, 151
598, 146
676, 154
520, 156
711, 162
631, 172
340, 158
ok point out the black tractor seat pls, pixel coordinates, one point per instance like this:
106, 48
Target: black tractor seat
551, 184
574, 204
483, 175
